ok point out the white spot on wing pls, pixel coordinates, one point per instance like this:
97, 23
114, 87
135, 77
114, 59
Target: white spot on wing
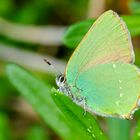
120, 81
120, 87
117, 102
114, 66
121, 95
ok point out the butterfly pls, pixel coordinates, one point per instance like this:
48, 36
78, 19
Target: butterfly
100, 75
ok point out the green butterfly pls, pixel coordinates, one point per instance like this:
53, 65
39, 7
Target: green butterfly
100, 75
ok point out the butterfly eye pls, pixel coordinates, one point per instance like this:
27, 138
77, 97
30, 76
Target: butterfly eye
62, 79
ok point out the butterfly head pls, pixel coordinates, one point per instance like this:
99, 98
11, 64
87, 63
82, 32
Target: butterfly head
60, 80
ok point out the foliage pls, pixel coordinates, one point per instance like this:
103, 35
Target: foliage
38, 94
134, 6
137, 131
120, 129
78, 118
24, 25
4, 127
76, 32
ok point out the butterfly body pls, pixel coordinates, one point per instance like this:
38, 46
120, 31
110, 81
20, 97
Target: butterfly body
100, 75
69, 90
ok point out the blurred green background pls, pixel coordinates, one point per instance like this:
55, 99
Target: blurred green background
31, 30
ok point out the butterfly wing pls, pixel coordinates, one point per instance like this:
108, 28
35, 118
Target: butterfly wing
107, 40
99, 68
111, 89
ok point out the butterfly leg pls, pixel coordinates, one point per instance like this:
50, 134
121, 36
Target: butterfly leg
77, 98
76, 87
85, 102
84, 105
82, 102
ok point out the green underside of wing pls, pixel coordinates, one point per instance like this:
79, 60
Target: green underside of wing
107, 40
100, 68
110, 89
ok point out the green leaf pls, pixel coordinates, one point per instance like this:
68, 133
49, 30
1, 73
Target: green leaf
38, 95
134, 6
4, 127
89, 128
76, 32
137, 132
118, 129
133, 24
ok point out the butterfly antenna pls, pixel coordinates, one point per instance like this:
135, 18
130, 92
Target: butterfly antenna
53, 67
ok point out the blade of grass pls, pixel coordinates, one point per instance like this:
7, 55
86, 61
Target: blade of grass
85, 124
4, 127
37, 94
76, 32
133, 24
136, 135
118, 129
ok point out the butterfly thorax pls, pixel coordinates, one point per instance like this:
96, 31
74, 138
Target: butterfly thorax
70, 90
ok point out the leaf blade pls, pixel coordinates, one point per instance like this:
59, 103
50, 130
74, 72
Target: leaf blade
88, 125
120, 129
76, 32
36, 93
4, 127
136, 135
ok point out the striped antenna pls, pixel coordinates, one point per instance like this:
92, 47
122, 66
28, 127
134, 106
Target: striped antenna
53, 67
